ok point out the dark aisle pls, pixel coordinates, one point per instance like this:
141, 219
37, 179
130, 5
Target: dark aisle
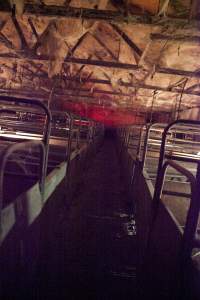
92, 254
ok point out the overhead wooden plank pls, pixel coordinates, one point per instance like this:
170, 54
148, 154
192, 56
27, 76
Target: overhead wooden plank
85, 13
184, 38
100, 63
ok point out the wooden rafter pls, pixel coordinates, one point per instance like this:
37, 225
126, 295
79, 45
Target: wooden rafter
193, 87
4, 40
81, 80
84, 13
39, 39
24, 44
102, 44
33, 28
129, 42
106, 64
80, 40
184, 38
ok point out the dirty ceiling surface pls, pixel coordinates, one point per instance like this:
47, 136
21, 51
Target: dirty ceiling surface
130, 56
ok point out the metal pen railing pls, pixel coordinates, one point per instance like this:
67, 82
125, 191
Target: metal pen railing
162, 155
190, 227
8, 151
149, 128
48, 119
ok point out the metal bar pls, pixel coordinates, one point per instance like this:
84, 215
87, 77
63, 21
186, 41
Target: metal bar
171, 193
159, 187
194, 207
162, 155
69, 145
140, 147
78, 134
181, 170
128, 138
89, 133
148, 128
7, 151
182, 158
36, 103
47, 112
192, 220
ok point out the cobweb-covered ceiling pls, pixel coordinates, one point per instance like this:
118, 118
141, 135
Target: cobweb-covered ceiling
136, 58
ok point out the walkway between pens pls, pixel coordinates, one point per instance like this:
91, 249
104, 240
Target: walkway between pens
93, 252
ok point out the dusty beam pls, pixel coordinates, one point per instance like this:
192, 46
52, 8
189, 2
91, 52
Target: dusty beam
85, 13
74, 60
126, 38
58, 92
159, 88
134, 85
100, 63
73, 12
186, 38
94, 91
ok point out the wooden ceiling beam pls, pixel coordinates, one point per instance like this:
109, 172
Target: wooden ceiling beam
80, 40
4, 40
129, 42
106, 64
134, 85
94, 91
33, 28
123, 84
184, 38
105, 47
24, 44
95, 14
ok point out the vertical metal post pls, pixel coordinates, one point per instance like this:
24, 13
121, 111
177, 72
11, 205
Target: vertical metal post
148, 128
70, 132
192, 220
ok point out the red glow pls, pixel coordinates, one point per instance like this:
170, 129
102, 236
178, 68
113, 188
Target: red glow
107, 115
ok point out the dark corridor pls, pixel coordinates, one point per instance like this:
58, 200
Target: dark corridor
92, 254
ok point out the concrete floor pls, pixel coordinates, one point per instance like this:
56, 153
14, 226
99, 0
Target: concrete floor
92, 256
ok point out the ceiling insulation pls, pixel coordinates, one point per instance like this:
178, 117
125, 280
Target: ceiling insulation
123, 54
